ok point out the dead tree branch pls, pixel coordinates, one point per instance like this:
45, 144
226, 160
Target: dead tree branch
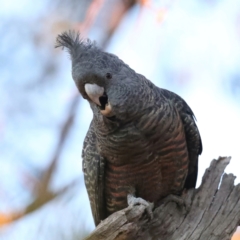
211, 212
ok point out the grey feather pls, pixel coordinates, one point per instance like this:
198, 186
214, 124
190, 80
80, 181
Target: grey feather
93, 168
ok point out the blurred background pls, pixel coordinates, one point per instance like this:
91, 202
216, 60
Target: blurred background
189, 47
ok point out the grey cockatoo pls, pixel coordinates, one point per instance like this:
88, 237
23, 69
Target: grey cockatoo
142, 138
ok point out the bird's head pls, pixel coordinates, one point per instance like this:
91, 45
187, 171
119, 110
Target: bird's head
101, 78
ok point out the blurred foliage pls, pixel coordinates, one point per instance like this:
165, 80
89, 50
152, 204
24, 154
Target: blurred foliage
41, 183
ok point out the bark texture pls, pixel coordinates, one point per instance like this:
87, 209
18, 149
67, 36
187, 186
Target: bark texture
211, 212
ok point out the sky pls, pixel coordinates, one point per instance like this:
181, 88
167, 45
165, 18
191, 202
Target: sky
189, 47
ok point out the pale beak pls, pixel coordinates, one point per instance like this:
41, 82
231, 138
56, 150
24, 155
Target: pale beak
107, 111
94, 92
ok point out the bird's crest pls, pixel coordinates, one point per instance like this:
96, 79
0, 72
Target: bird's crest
74, 44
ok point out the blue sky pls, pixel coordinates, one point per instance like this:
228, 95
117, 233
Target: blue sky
194, 51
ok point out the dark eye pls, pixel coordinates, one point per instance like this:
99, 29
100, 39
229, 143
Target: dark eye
108, 75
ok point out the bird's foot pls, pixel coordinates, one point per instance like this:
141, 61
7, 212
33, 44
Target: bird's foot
176, 199
132, 201
173, 198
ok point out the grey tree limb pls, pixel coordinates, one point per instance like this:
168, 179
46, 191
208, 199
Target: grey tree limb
210, 212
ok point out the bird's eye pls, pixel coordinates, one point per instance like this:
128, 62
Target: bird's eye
108, 75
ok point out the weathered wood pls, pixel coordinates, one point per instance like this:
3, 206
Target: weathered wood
211, 212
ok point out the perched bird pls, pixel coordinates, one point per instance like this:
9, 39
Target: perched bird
142, 140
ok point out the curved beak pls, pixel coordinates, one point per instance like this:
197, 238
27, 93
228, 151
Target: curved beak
94, 92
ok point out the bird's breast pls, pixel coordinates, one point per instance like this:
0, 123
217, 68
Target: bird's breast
149, 155
124, 146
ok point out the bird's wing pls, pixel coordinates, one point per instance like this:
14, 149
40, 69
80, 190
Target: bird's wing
93, 169
193, 138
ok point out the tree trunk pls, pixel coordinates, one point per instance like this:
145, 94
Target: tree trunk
211, 212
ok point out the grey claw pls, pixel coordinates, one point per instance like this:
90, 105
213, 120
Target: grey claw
132, 201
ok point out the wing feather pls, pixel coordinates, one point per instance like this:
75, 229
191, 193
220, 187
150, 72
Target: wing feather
93, 168
193, 138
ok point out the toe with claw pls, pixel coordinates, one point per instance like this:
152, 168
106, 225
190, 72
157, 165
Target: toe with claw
132, 201
176, 199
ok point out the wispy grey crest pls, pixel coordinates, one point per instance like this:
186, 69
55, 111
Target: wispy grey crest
74, 44
86, 54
